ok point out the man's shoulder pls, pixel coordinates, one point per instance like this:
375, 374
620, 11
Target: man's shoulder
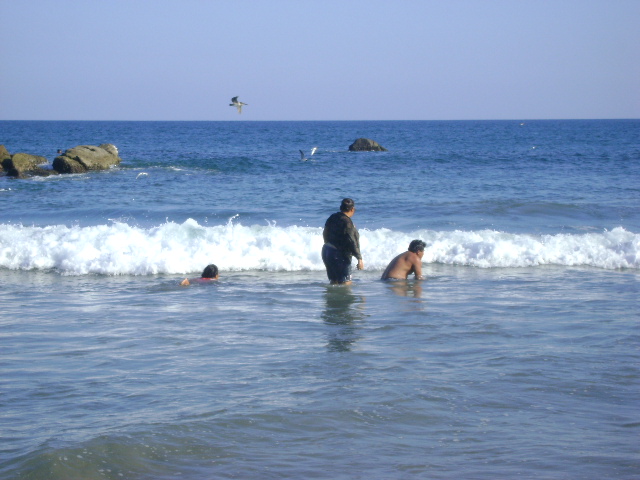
412, 255
337, 218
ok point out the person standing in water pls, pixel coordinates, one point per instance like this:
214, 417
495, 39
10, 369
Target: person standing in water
209, 274
341, 243
406, 263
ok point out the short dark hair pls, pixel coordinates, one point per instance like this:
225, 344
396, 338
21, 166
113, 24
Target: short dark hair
347, 205
210, 271
417, 246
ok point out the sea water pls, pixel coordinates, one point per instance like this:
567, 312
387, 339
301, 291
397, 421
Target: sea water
517, 357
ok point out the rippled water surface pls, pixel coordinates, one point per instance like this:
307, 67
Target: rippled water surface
287, 377
516, 358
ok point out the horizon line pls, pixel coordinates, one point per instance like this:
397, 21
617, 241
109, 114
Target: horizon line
353, 120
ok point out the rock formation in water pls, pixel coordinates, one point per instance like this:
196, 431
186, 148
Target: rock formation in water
22, 165
84, 158
80, 159
366, 145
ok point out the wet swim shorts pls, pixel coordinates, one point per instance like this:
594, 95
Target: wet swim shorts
337, 263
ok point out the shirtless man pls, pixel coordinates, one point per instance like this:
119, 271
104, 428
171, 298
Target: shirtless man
209, 274
406, 263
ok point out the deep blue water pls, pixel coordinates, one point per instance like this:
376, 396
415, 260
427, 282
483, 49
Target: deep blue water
540, 176
517, 357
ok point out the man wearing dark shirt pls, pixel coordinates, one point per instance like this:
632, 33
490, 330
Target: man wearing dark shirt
341, 243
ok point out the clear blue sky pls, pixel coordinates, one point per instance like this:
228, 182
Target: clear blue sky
319, 59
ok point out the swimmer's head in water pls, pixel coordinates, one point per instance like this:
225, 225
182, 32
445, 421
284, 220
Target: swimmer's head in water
347, 205
211, 271
417, 246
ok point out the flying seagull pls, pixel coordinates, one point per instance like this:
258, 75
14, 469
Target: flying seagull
236, 103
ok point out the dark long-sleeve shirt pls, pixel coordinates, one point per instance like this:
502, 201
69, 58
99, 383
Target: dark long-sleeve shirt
340, 232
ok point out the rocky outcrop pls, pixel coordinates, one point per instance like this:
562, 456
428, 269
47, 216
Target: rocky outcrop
79, 159
23, 161
22, 165
84, 158
366, 145
4, 154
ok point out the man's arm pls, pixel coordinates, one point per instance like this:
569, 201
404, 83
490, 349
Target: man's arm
353, 240
417, 266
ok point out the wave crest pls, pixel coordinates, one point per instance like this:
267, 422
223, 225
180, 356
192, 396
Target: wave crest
171, 248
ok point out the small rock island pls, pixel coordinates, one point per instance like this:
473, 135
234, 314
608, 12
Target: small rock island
366, 145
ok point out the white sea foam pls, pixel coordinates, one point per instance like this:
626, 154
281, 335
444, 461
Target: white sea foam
122, 249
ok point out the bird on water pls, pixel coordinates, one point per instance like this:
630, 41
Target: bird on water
303, 158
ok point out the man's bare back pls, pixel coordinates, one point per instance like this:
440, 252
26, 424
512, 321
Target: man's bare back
406, 263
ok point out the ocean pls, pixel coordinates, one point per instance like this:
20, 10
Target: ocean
517, 357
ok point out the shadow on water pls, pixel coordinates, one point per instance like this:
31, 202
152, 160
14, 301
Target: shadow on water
406, 288
343, 311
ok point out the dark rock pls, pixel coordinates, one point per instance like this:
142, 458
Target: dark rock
366, 145
83, 158
63, 164
23, 164
36, 172
4, 154
25, 161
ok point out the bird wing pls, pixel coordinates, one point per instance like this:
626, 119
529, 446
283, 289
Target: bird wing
234, 100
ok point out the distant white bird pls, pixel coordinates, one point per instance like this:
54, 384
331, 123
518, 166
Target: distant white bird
141, 174
238, 104
303, 158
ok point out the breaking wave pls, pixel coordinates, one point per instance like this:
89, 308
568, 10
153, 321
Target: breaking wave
172, 248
